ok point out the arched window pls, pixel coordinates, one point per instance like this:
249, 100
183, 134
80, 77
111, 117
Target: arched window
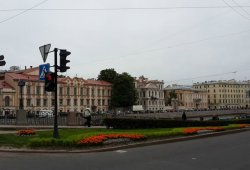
7, 101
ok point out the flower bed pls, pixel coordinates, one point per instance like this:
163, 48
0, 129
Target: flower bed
26, 132
189, 131
100, 139
244, 125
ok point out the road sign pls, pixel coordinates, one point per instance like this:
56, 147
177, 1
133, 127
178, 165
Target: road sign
44, 51
44, 68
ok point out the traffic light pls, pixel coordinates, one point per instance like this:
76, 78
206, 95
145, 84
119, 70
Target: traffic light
63, 60
2, 62
50, 84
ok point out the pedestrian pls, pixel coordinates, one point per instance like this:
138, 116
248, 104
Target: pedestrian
184, 117
87, 116
88, 120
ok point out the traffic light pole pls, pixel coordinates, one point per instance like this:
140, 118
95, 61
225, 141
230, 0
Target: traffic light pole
55, 133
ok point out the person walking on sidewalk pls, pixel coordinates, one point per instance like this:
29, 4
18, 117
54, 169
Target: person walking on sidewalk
184, 116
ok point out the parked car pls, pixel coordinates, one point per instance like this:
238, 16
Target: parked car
45, 113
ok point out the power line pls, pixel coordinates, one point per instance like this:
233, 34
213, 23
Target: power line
176, 45
205, 76
241, 7
23, 11
120, 9
211, 75
233, 8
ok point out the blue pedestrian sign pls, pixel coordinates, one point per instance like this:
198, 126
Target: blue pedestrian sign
44, 68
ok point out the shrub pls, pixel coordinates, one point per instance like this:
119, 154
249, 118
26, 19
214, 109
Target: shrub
133, 123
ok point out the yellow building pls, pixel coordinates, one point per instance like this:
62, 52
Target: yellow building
226, 94
74, 94
185, 98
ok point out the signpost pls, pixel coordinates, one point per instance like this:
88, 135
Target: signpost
44, 68
44, 51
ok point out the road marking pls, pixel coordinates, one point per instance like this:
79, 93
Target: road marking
121, 151
194, 158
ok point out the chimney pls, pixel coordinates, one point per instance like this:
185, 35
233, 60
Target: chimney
30, 66
25, 67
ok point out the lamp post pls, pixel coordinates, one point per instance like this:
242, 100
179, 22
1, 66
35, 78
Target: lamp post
21, 83
21, 118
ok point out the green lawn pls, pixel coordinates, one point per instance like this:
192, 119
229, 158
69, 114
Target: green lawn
68, 137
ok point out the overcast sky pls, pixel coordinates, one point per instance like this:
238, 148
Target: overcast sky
178, 41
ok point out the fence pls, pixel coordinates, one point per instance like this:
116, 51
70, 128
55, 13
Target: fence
96, 120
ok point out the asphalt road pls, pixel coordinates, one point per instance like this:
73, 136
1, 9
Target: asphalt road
228, 152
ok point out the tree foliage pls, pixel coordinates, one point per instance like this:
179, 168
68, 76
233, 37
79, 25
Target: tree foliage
108, 75
172, 95
123, 90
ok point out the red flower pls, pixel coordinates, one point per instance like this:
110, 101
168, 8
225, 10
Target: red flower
27, 132
189, 131
99, 139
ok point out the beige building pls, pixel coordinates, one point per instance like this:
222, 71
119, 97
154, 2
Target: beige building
150, 94
226, 94
74, 94
183, 97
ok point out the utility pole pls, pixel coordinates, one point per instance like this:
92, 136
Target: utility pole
55, 133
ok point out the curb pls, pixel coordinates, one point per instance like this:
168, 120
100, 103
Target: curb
127, 146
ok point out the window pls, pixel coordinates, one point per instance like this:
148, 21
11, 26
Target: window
87, 91
38, 102
38, 90
28, 89
88, 102
60, 102
99, 102
75, 91
28, 102
68, 91
68, 102
75, 102
7, 101
52, 102
103, 102
82, 102
45, 102
81, 91
93, 92
61, 91
93, 102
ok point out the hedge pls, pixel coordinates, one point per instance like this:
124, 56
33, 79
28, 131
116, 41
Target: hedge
135, 123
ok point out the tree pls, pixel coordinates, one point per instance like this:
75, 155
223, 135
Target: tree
108, 75
123, 90
172, 95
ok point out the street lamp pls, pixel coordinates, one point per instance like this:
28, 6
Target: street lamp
21, 83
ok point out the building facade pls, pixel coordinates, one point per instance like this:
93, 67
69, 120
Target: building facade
74, 94
150, 94
226, 94
186, 98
